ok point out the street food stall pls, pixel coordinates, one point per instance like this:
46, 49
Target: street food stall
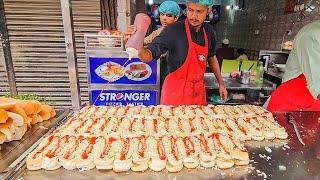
122, 132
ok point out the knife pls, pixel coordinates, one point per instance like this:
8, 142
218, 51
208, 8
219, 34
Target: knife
293, 122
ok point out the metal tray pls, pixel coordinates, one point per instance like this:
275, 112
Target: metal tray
12, 150
288, 159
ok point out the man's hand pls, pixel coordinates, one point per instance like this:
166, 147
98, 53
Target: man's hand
223, 92
130, 31
216, 71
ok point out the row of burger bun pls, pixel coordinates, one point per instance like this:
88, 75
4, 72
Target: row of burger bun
16, 116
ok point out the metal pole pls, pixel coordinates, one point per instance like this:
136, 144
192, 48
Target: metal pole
7, 51
68, 27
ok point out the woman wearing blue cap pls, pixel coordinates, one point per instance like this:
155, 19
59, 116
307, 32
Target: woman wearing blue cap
169, 14
190, 44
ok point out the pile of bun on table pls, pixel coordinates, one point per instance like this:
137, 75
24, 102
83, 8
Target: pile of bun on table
137, 138
16, 116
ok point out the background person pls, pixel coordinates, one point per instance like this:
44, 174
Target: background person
300, 88
225, 52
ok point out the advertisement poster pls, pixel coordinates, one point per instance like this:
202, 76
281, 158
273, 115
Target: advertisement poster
119, 71
123, 97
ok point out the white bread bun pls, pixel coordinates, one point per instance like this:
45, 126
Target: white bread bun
100, 160
50, 164
224, 155
239, 155
257, 138
139, 167
207, 164
37, 106
17, 119
21, 112
84, 110
138, 160
224, 163
35, 158
241, 163
121, 165
45, 112
207, 157
189, 159
85, 164
103, 163
36, 119
7, 103
28, 106
3, 116
34, 164
2, 138
268, 134
171, 160
191, 165
20, 131
175, 168
156, 164
28, 122
281, 134
7, 129
68, 164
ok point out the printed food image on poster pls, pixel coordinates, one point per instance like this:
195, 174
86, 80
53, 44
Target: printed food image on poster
138, 71
110, 71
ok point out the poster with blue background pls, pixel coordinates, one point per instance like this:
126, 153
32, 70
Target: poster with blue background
118, 71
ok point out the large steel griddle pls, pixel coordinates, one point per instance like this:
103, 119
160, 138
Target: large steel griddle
295, 161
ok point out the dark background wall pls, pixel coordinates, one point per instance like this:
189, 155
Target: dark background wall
266, 16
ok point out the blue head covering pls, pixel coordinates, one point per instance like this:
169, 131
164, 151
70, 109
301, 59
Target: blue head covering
208, 3
170, 7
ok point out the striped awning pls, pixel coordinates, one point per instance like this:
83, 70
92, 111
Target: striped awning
38, 48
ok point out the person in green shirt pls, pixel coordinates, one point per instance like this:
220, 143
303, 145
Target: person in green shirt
300, 88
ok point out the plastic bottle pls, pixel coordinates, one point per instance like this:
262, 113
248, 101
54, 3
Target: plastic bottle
135, 42
259, 73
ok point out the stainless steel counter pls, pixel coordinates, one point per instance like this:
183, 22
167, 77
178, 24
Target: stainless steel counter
274, 72
295, 161
234, 84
